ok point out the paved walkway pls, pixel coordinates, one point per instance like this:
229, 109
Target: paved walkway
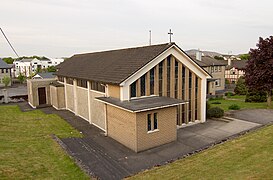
108, 159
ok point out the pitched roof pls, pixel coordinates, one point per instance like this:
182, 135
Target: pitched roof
3, 64
238, 64
209, 61
46, 75
143, 104
110, 66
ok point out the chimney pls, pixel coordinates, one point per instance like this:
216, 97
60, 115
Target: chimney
198, 55
229, 61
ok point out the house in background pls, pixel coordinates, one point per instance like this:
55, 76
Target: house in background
234, 70
28, 67
216, 68
137, 96
5, 70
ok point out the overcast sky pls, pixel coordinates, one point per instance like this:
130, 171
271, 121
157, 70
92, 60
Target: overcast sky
61, 28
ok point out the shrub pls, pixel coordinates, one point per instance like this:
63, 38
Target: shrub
215, 112
216, 102
256, 96
218, 97
228, 94
234, 107
240, 88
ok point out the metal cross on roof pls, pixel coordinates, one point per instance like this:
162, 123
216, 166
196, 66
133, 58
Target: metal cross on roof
170, 33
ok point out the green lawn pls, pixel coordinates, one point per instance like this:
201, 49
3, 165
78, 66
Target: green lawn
248, 157
239, 100
28, 152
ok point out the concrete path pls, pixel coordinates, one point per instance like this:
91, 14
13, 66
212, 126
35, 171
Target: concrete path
260, 116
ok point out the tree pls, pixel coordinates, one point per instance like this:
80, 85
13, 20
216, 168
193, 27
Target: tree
21, 78
51, 69
240, 88
6, 80
244, 56
259, 73
8, 60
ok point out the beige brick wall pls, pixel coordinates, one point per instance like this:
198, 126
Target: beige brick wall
166, 129
82, 102
97, 110
122, 126
114, 91
70, 97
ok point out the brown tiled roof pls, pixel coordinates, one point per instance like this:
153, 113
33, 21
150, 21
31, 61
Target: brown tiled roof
238, 64
209, 61
110, 66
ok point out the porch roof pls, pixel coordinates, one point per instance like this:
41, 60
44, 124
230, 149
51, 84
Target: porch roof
142, 104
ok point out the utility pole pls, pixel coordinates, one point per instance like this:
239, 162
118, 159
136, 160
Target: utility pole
9, 42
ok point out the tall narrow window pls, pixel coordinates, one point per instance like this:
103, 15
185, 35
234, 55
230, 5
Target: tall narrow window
152, 81
176, 80
133, 89
155, 120
168, 76
196, 97
143, 85
149, 122
183, 82
190, 94
160, 74
183, 114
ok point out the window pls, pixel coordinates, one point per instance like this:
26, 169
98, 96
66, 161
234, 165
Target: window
155, 120
69, 81
168, 75
60, 78
149, 122
7, 70
219, 68
133, 89
212, 69
152, 80
160, 89
176, 80
97, 86
2, 70
82, 83
218, 82
215, 68
143, 85
152, 124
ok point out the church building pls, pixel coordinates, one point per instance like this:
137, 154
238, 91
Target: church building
137, 96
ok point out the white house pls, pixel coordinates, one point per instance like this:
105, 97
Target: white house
28, 67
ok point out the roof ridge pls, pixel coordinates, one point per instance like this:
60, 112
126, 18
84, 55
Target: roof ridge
129, 48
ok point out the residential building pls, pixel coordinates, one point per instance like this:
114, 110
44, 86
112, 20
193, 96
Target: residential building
216, 68
137, 96
235, 70
5, 70
28, 67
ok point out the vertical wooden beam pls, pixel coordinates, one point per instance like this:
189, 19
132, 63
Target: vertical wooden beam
138, 88
164, 89
156, 80
172, 77
147, 84
193, 97
187, 93
179, 80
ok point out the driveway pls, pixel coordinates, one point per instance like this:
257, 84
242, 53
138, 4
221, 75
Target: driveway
260, 116
107, 159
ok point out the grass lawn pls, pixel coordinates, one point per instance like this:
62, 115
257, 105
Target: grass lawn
28, 152
248, 157
239, 100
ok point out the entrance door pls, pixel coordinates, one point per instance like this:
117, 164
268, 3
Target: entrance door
42, 95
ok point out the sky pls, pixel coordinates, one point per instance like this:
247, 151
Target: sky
61, 28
